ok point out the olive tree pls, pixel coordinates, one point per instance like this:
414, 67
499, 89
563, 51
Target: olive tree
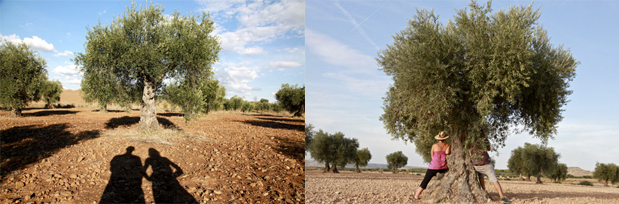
292, 99
363, 157
557, 173
539, 158
333, 150
22, 73
50, 92
309, 135
606, 173
518, 165
396, 160
137, 51
482, 71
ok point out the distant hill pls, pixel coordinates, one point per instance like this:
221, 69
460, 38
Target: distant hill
309, 162
577, 171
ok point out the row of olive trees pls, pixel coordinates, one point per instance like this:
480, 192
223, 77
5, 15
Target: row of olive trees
335, 150
23, 78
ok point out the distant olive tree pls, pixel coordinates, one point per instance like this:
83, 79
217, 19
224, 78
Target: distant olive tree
22, 73
309, 135
236, 103
363, 157
518, 165
557, 173
606, 172
396, 160
539, 158
333, 150
292, 99
50, 92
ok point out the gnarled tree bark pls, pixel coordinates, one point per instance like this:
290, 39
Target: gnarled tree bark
460, 184
148, 118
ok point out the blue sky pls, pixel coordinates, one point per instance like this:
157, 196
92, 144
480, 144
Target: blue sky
263, 41
344, 86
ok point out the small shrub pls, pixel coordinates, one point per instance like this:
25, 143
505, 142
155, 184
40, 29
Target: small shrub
587, 177
585, 183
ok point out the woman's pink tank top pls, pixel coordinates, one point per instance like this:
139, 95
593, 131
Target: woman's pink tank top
438, 161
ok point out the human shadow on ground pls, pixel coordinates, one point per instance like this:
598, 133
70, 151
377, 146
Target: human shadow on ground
274, 124
166, 189
128, 121
125, 185
49, 112
25, 145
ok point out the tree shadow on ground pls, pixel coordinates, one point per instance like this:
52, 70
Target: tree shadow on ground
48, 113
171, 114
166, 189
128, 121
109, 111
25, 145
274, 124
281, 119
294, 149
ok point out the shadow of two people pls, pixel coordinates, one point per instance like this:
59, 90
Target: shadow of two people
125, 185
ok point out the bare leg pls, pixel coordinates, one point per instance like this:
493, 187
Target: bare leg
418, 193
497, 186
482, 182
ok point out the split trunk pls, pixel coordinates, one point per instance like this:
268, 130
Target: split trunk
148, 118
461, 183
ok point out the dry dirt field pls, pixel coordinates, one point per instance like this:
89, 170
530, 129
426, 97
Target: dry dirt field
66, 156
374, 187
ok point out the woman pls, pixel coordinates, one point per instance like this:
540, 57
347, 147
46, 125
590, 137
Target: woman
439, 162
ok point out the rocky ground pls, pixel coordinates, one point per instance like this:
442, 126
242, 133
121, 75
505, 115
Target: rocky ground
65, 155
374, 187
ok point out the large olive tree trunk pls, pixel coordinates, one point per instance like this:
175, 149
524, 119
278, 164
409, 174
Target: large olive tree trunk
327, 168
461, 183
148, 118
357, 168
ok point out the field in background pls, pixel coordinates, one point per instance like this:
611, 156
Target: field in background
386, 187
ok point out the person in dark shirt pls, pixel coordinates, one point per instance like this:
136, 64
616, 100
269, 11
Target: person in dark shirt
483, 165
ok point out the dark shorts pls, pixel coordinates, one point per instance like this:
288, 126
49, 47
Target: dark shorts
429, 174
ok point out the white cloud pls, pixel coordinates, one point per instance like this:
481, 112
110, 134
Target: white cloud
69, 70
35, 42
236, 76
66, 53
282, 65
253, 51
102, 12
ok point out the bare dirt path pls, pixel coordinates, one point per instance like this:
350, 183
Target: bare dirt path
374, 187
65, 155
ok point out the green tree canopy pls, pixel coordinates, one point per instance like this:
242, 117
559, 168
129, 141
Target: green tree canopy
22, 73
363, 157
396, 160
50, 92
309, 135
606, 173
137, 51
481, 71
539, 158
333, 149
292, 99
518, 165
557, 173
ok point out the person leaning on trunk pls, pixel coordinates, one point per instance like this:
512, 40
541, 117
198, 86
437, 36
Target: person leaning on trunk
483, 165
439, 152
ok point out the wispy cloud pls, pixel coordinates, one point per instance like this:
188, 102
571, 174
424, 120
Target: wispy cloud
355, 24
102, 12
66, 53
282, 65
337, 53
259, 22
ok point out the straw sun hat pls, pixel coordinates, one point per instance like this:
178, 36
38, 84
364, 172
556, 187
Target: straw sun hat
441, 136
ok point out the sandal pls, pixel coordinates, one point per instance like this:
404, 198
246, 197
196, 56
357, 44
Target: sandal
413, 198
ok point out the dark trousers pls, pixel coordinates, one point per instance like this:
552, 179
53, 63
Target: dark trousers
429, 174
